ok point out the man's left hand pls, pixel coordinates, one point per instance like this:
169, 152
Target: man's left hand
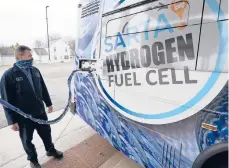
50, 109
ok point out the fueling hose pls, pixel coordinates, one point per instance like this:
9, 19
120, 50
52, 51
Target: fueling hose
47, 122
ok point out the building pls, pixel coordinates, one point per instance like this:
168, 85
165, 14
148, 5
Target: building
60, 50
72, 54
7, 56
40, 55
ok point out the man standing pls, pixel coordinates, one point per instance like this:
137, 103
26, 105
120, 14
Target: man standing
23, 86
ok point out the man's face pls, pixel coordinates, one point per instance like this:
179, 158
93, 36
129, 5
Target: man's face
26, 55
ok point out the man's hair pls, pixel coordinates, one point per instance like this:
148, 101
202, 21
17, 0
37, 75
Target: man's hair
20, 49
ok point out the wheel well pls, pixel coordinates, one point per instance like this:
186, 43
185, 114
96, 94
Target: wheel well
212, 157
219, 160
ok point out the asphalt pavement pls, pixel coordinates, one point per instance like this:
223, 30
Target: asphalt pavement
55, 76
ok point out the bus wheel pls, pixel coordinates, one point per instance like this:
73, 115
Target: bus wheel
215, 156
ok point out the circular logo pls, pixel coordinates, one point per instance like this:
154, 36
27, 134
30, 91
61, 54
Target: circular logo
167, 93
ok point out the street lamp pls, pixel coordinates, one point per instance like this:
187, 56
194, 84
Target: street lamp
47, 31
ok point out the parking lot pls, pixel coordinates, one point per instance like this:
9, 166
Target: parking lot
55, 76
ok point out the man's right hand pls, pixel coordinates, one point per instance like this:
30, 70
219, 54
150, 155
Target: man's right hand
14, 127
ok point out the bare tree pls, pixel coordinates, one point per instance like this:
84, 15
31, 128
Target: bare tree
38, 43
14, 46
53, 37
72, 44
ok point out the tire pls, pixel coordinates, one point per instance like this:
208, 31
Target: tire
217, 161
215, 156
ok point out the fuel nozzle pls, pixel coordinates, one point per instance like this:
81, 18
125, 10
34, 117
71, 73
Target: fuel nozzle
87, 64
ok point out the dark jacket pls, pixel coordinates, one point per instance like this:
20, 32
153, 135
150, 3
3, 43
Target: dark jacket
16, 89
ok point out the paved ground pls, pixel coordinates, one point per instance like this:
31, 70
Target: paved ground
55, 76
79, 142
94, 152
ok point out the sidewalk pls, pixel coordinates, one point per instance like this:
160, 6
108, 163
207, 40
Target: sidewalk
12, 154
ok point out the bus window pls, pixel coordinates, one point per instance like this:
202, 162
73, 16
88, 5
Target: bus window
176, 14
212, 54
149, 36
223, 12
208, 15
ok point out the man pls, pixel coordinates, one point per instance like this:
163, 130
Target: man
23, 86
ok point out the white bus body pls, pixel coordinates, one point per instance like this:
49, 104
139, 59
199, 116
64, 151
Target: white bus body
159, 93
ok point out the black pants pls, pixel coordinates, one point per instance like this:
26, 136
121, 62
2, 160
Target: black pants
26, 129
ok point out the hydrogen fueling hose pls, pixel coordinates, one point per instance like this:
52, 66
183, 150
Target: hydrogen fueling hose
47, 122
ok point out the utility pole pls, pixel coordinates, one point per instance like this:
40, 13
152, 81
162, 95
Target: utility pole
47, 31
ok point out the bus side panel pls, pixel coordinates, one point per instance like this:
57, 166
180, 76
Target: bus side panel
176, 144
216, 113
88, 22
153, 146
141, 143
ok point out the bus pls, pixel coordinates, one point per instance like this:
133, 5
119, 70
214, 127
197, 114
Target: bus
154, 79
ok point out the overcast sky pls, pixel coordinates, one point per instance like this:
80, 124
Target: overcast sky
23, 21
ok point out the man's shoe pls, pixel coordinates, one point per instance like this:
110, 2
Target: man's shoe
56, 154
35, 164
